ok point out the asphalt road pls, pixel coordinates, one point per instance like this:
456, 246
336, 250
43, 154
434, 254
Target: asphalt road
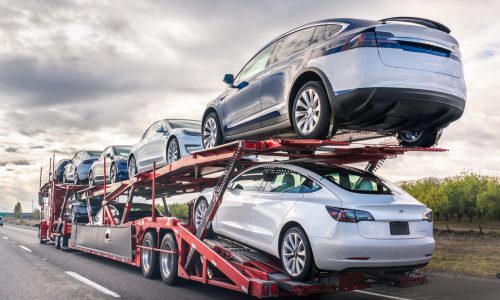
29, 270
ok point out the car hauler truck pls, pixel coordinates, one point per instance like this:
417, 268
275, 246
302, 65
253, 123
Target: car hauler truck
175, 249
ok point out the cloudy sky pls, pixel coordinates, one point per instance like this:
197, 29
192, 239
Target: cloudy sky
86, 74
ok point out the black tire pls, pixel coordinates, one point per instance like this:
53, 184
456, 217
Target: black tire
150, 268
56, 242
175, 156
91, 178
307, 270
320, 129
198, 217
63, 243
113, 176
168, 262
132, 173
423, 139
207, 140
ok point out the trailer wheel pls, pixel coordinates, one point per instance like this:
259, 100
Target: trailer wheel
149, 258
56, 242
63, 243
168, 261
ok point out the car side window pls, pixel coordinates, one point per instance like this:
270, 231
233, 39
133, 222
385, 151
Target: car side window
281, 180
293, 43
256, 64
106, 151
319, 35
331, 30
249, 181
150, 130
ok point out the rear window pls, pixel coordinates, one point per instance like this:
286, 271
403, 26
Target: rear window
94, 153
191, 124
353, 180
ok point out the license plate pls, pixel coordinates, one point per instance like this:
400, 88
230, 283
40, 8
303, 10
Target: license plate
399, 228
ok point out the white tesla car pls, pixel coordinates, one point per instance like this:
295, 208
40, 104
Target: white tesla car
325, 217
164, 142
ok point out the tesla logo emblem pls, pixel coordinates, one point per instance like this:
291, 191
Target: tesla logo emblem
401, 210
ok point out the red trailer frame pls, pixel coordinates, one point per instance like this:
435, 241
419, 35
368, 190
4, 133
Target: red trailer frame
220, 261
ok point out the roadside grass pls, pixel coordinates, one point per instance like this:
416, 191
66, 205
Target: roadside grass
466, 253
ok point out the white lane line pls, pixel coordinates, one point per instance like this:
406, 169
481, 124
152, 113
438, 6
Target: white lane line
5, 237
92, 284
380, 295
25, 248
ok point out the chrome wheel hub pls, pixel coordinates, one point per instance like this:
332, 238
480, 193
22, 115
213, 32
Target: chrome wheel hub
147, 256
172, 152
113, 175
307, 111
131, 168
293, 254
209, 133
166, 260
199, 214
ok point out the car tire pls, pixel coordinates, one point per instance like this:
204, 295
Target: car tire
294, 249
56, 242
132, 167
199, 212
113, 174
173, 150
211, 132
426, 138
149, 258
63, 243
91, 179
76, 180
168, 261
311, 119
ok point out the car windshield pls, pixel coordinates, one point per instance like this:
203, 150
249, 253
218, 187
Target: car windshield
191, 124
94, 153
122, 151
351, 179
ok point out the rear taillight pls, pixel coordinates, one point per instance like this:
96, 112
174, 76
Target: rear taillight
372, 39
427, 216
349, 215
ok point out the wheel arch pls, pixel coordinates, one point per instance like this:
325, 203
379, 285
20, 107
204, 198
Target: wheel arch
309, 74
209, 110
284, 229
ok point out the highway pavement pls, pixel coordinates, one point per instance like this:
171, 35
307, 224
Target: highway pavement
29, 270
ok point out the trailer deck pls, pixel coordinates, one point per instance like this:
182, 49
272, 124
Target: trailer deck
207, 259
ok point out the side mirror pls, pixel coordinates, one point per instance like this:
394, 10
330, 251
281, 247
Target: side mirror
229, 79
160, 130
109, 155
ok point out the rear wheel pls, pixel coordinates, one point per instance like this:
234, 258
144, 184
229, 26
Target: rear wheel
132, 167
149, 258
199, 212
56, 242
419, 138
168, 261
211, 131
113, 176
296, 254
63, 243
91, 179
311, 111
173, 151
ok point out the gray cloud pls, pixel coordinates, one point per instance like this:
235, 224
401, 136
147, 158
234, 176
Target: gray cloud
11, 149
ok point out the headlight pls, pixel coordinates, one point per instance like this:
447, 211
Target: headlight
191, 133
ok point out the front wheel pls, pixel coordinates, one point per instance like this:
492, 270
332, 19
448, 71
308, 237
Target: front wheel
419, 138
173, 151
91, 179
113, 176
132, 167
296, 254
168, 260
211, 131
199, 212
311, 112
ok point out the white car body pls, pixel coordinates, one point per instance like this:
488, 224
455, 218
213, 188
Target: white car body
259, 219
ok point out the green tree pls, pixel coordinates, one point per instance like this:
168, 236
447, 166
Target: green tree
36, 214
489, 200
18, 211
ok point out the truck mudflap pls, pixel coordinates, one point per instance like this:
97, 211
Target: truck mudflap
116, 241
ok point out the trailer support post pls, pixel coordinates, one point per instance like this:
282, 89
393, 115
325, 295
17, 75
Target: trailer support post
153, 192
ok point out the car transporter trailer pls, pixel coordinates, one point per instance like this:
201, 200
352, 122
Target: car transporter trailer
196, 254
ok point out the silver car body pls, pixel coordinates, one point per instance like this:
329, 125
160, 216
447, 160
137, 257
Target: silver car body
259, 219
153, 145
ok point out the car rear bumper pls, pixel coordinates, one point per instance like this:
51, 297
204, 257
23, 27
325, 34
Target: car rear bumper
393, 109
360, 253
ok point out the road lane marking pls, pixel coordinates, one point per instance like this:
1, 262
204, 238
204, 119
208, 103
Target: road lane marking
380, 295
92, 284
25, 248
5, 237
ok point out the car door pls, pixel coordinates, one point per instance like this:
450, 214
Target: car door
157, 149
288, 59
145, 151
233, 216
241, 107
74, 162
98, 166
280, 190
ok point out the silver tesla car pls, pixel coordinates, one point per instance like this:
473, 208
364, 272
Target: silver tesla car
164, 142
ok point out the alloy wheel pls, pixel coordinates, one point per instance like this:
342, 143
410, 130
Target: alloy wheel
147, 256
172, 151
166, 259
132, 168
293, 254
112, 174
91, 179
209, 133
201, 209
307, 111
